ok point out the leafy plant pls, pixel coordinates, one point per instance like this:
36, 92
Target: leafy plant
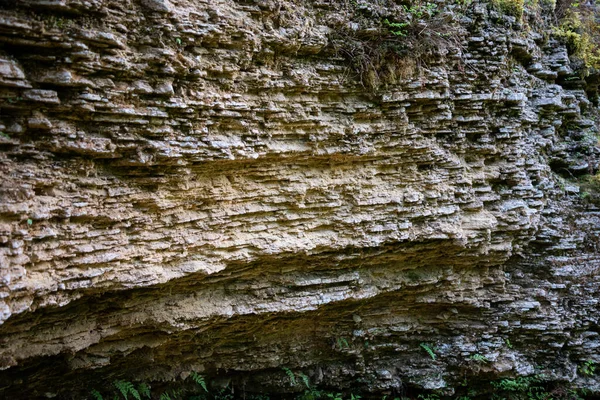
520, 384
144, 390
199, 379
479, 358
510, 7
127, 388
396, 28
385, 44
290, 375
305, 380
588, 368
428, 349
428, 397
334, 396
578, 28
342, 343
165, 396
97, 395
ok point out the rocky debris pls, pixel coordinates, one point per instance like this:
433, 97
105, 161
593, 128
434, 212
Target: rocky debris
204, 186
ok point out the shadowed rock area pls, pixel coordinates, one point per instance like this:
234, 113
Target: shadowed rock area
221, 187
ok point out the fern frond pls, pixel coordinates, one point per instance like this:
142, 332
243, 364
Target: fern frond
428, 350
97, 395
144, 390
165, 396
199, 379
123, 387
305, 380
134, 392
342, 343
290, 375
126, 388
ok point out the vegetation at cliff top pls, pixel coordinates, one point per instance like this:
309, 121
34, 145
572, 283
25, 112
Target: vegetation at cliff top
579, 29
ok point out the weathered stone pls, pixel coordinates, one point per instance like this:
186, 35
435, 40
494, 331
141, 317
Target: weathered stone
207, 186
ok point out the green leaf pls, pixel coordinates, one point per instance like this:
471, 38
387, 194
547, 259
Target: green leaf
97, 395
199, 379
290, 375
144, 390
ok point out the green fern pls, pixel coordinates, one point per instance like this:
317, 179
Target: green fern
428, 349
199, 379
291, 375
165, 396
127, 388
342, 343
97, 395
304, 380
144, 390
479, 358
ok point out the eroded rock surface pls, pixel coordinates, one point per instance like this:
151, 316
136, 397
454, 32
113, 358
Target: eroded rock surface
206, 186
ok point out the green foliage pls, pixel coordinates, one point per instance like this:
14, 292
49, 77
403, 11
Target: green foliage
342, 343
311, 394
590, 188
199, 379
304, 380
290, 375
396, 28
428, 397
588, 368
581, 33
165, 396
144, 390
127, 388
523, 387
334, 396
479, 358
386, 41
428, 349
97, 395
510, 7
514, 385
419, 10
508, 344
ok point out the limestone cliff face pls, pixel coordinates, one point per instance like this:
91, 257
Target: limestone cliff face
207, 186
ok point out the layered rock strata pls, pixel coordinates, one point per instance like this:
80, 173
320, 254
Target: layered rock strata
207, 186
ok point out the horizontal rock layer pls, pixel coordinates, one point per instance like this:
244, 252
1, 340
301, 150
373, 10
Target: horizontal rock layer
206, 186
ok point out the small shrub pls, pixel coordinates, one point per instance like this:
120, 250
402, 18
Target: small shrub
588, 368
579, 30
385, 43
590, 188
510, 7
